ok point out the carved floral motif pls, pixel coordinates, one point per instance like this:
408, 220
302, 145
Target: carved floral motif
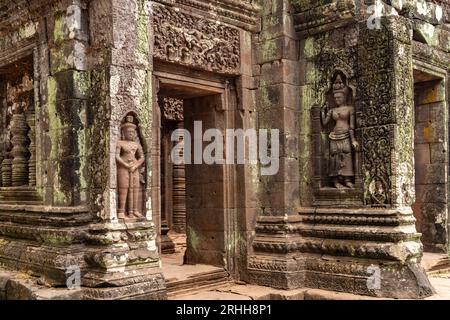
172, 109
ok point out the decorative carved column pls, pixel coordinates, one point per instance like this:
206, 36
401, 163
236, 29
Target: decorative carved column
7, 172
167, 245
2, 157
173, 113
20, 153
32, 148
1, 161
179, 191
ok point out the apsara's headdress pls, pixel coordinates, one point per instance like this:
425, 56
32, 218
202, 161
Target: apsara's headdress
339, 86
129, 123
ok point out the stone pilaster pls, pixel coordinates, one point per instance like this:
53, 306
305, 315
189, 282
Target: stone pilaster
276, 51
366, 248
122, 256
370, 243
67, 93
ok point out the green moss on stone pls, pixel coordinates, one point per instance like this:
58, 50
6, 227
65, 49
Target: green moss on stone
58, 30
193, 238
56, 240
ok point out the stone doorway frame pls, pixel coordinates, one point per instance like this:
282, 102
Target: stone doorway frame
435, 73
173, 77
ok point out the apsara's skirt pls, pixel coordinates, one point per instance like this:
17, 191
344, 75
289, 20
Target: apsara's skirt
341, 159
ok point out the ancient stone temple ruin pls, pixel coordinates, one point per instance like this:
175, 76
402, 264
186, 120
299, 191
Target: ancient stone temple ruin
94, 94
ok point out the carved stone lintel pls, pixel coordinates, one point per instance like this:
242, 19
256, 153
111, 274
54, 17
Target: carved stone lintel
192, 41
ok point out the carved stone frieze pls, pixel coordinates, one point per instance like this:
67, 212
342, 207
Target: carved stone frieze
316, 18
273, 264
188, 40
340, 219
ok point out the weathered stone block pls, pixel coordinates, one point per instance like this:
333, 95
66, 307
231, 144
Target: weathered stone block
276, 49
131, 48
431, 193
439, 153
206, 219
421, 9
69, 84
210, 257
284, 71
286, 120
70, 24
277, 25
278, 96
71, 55
426, 33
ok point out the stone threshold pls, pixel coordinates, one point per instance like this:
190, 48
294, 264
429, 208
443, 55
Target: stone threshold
254, 292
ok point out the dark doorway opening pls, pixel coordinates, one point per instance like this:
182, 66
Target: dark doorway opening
193, 196
431, 161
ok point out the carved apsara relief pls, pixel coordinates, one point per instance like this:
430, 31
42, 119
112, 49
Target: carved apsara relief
130, 166
339, 115
188, 40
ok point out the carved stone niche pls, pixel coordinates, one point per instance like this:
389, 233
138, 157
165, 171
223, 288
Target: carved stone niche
336, 148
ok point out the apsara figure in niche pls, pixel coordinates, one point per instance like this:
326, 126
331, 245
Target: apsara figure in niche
130, 158
341, 138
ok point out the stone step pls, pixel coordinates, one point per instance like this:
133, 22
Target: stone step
14, 195
441, 266
198, 282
